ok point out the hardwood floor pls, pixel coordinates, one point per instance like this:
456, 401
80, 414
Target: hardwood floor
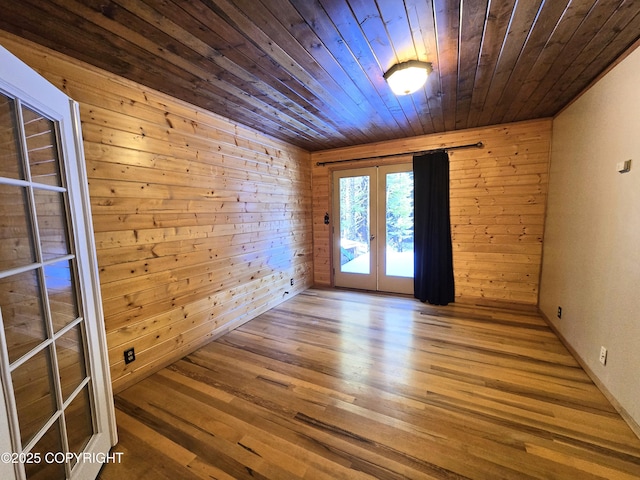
344, 385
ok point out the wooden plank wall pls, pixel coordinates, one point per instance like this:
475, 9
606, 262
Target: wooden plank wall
200, 223
498, 199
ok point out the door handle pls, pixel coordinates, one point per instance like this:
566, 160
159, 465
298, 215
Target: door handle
372, 238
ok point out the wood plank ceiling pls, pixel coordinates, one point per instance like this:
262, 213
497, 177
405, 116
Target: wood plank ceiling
310, 71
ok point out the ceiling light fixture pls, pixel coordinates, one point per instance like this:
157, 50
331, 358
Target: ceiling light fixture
407, 77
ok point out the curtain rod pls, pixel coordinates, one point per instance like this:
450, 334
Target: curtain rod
445, 149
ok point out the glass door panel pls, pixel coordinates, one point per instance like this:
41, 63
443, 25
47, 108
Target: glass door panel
71, 366
61, 291
49, 442
396, 220
22, 313
10, 166
42, 147
34, 393
15, 236
353, 237
399, 220
52, 223
79, 421
354, 225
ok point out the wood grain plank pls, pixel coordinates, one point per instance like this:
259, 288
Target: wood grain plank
447, 19
472, 29
521, 22
495, 29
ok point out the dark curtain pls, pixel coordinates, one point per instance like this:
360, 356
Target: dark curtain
433, 274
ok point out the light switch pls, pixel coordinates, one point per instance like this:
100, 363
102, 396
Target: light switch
623, 167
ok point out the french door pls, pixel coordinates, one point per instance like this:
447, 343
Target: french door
373, 232
56, 411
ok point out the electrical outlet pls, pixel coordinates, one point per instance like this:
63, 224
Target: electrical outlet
292, 282
603, 355
129, 356
559, 312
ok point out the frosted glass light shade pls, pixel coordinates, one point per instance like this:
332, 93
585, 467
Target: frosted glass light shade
407, 77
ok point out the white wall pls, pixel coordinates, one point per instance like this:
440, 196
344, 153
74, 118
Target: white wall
591, 257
